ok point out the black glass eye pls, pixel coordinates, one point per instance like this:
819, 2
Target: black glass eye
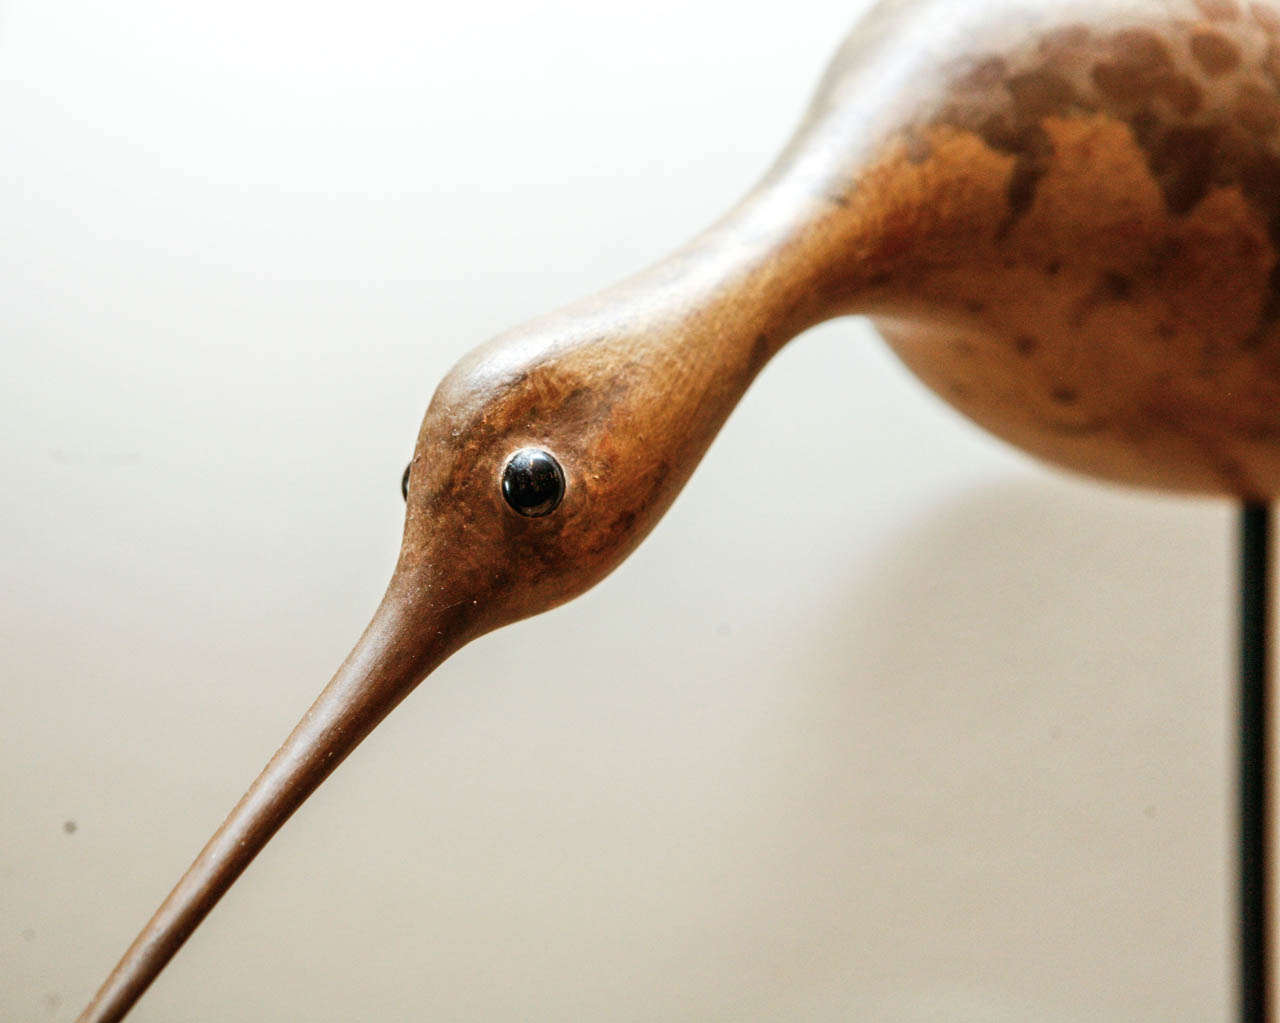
404, 482
533, 482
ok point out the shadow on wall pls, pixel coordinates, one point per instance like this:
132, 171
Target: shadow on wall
986, 783
1015, 778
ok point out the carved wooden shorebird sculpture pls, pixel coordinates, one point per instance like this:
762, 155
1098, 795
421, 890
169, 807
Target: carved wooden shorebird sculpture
1064, 217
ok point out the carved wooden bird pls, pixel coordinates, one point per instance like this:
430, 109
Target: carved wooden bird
1063, 216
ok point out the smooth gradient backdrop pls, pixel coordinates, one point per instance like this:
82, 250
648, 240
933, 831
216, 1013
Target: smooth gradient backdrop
917, 731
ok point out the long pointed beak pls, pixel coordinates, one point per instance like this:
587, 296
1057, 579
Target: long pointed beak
404, 642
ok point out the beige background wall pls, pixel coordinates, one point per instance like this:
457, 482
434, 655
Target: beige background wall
928, 733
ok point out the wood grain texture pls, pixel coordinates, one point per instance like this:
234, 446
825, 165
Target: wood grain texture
1063, 217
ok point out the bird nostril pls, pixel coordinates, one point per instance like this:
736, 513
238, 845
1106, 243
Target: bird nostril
533, 482
404, 482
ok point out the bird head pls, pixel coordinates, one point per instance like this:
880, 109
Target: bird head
543, 459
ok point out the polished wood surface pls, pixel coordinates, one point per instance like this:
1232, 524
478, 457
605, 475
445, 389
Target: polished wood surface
1064, 218
1074, 241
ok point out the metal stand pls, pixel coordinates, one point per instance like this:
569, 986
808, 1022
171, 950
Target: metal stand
1255, 573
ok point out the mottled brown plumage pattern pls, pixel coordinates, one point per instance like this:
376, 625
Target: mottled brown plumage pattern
1065, 217
1074, 239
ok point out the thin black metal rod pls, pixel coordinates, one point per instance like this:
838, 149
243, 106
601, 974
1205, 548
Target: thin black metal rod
1255, 615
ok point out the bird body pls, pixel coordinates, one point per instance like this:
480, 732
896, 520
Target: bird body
1064, 217
1066, 221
